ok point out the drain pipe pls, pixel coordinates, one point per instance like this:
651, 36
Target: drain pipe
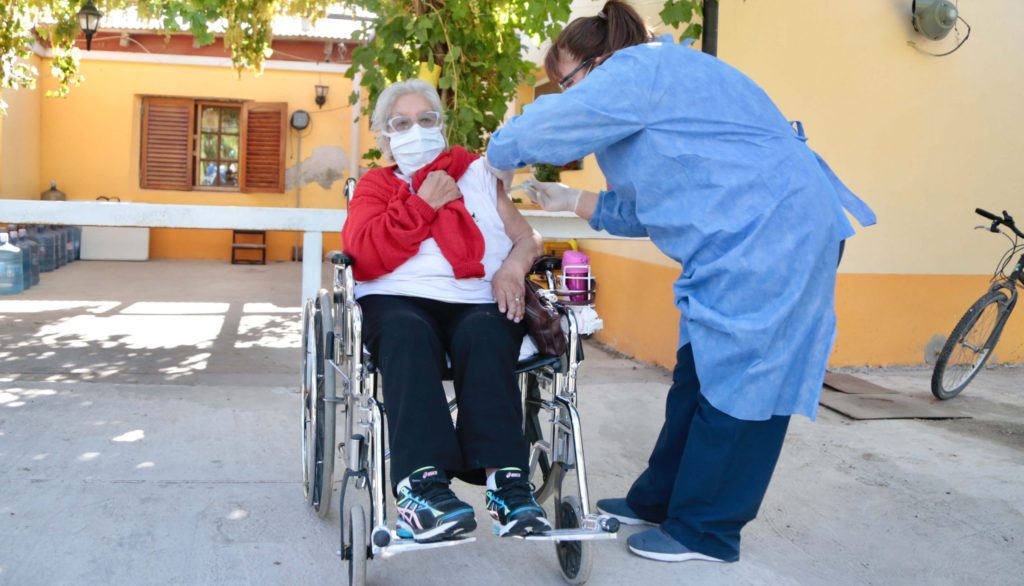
353, 164
709, 38
297, 249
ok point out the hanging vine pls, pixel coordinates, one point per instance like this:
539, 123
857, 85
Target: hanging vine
476, 43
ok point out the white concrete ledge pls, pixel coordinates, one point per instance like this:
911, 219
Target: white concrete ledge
152, 215
310, 221
155, 215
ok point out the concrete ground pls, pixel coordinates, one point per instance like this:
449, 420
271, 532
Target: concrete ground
149, 434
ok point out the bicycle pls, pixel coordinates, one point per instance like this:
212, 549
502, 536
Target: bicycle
970, 344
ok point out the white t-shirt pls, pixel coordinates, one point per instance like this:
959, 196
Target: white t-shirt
428, 274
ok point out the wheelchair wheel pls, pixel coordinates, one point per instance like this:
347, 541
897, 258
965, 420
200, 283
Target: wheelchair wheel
575, 558
540, 443
317, 443
308, 413
325, 411
355, 533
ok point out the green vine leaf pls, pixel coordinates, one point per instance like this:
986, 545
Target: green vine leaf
478, 43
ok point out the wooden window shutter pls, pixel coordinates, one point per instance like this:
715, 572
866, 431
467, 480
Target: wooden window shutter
167, 128
264, 133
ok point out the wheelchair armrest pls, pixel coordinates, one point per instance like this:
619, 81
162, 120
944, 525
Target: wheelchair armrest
545, 264
338, 257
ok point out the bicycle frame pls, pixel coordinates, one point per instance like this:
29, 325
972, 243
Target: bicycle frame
1009, 284
1017, 275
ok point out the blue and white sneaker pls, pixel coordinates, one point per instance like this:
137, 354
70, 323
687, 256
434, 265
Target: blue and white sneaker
511, 504
428, 510
656, 544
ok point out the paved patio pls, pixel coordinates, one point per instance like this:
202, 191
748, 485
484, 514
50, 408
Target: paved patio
149, 424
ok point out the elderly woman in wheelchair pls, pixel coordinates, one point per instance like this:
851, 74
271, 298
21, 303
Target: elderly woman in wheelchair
430, 288
440, 256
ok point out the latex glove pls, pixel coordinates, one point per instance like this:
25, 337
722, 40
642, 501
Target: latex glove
554, 197
504, 176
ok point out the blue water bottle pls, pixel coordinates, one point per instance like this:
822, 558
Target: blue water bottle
77, 232
33, 274
60, 246
26, 258
69, 234
47, 254
12, 277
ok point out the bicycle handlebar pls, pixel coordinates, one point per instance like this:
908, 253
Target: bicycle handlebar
987, 214
1006, 220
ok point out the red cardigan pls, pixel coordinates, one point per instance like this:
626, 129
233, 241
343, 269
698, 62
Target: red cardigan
387, 222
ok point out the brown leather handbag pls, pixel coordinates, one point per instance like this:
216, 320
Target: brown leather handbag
543, 321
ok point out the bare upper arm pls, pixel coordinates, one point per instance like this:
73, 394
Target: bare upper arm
516, 226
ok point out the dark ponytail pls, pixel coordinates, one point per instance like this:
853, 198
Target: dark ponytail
616, 27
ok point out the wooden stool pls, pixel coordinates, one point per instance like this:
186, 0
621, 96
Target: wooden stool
237, 246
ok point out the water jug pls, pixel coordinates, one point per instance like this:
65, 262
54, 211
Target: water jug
76, 231
53, 194
26, 258
60, 246
33, 278
69, 253
47, 254
12, 280
576, 269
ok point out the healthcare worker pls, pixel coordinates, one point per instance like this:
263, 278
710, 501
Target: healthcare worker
698, 158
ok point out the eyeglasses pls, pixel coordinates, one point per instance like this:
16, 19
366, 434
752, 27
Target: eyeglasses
405, 123
567, 81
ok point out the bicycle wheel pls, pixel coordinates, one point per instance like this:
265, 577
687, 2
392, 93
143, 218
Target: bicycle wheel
970, 345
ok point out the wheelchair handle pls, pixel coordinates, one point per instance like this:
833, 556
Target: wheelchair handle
546, 263
350, 189
340, 258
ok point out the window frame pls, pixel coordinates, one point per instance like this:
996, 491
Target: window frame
267, 179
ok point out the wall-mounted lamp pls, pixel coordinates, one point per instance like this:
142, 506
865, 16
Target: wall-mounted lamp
321, 95
89, 21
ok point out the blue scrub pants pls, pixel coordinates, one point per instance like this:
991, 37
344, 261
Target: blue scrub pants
709, 471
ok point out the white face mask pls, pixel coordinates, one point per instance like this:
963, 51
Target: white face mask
415, 147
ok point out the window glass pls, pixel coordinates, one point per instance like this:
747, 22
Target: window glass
219, 146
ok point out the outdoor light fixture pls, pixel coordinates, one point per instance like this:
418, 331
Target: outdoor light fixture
934, 18
321, 95
89, 21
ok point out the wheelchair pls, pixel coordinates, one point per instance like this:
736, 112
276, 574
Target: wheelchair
341, 400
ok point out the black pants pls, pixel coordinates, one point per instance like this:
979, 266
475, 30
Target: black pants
409, 338
708, 471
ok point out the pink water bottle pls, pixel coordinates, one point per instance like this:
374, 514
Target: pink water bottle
576, 268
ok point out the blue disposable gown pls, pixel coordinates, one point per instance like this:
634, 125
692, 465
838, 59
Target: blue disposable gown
698, 158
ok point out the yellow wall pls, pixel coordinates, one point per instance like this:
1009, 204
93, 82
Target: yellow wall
894, 319
91, 141
924, 140
883, 319
20, 142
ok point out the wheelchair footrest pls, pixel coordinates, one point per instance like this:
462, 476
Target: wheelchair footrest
398, 546
570, 535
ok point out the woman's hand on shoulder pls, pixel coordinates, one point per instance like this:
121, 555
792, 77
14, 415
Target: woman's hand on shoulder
438, 189
509, 291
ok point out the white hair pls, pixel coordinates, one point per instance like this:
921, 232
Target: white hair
386, 102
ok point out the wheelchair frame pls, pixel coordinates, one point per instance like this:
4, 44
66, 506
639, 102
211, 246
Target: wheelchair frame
338, 376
